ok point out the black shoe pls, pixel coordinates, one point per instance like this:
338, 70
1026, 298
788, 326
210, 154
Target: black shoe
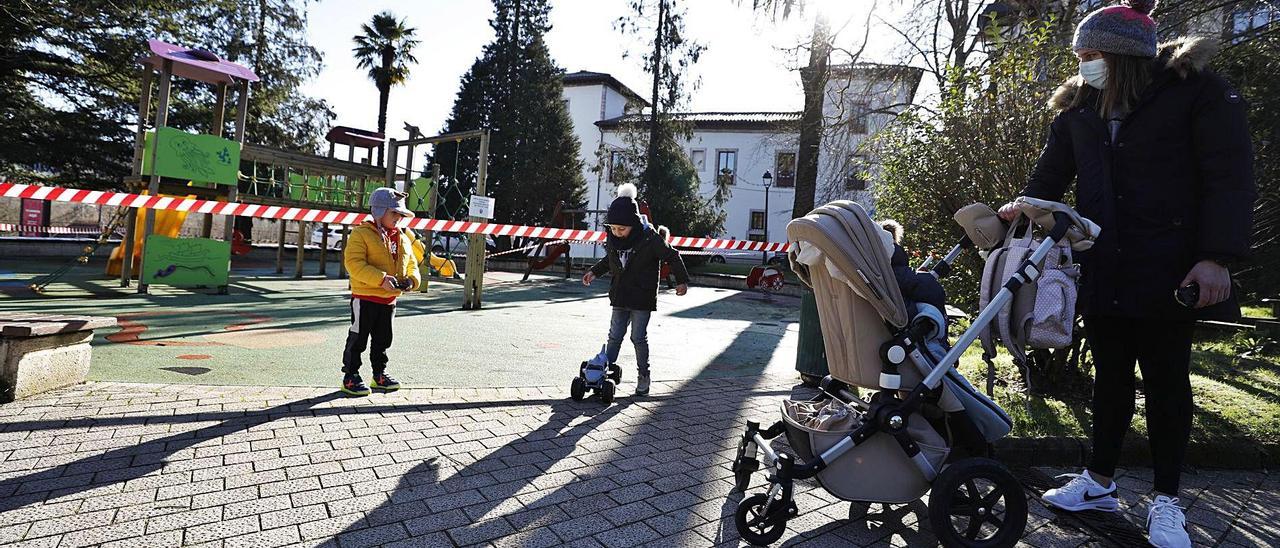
383, 381
352, 384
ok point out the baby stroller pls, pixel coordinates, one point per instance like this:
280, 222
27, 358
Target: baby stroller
926, 428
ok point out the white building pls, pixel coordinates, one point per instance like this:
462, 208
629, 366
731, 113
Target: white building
742, 146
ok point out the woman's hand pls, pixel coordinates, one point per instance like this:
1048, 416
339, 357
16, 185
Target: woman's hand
1214, 280
389, 283
588, 278
1008, 211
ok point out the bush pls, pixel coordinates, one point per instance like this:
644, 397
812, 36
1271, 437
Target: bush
979, 145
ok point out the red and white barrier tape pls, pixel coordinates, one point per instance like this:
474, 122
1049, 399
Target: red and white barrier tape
6, 227
191, 205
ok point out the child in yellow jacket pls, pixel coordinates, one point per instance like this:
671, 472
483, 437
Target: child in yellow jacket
380, 258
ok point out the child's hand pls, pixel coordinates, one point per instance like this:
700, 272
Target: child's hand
389, 283
682, 289
588, 278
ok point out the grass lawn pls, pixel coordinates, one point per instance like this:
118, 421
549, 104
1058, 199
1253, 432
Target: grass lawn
1236, 398
1257, 311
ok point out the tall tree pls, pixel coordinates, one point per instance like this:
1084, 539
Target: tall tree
667, 180
514, 90
385, 47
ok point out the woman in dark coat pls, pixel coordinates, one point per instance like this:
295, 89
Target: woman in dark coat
1161, 157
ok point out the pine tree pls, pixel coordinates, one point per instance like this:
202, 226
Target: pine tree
514, 90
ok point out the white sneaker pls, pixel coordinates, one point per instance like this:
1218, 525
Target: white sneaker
642, 384
1082, 493
1166, 524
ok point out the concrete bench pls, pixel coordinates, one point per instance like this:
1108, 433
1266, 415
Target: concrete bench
41, 352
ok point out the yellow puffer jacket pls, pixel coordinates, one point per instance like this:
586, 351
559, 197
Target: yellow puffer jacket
368, 260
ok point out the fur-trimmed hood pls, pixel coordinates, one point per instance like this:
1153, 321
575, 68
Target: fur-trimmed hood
1184, 56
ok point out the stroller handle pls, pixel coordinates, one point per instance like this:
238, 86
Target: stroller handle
943, 268
1061, 223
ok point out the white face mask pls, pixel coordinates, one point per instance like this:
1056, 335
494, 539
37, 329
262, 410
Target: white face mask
1094, 72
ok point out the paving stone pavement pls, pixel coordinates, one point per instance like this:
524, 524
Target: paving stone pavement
178, 465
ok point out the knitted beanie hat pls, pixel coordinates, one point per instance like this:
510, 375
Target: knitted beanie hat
624, 210
1126, 29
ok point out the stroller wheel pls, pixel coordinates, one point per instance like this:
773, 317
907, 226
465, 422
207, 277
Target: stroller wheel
577, 389
976, 502
754, 526
615, 373
607, 391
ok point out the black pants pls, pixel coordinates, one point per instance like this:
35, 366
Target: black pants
1163, 350
368, 320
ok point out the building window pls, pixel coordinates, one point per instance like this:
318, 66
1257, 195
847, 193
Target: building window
855, 176
726, 165
1245, 20
757, 219
858, 112
755, 237
784, 169
619, 171
698, 157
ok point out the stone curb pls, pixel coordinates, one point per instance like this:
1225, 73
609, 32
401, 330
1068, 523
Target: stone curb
1070, 451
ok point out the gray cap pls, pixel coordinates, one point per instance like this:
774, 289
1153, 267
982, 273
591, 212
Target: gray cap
386, 198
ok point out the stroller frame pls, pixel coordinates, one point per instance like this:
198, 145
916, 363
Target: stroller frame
763, 521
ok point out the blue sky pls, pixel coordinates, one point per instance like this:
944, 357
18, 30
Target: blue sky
746, 66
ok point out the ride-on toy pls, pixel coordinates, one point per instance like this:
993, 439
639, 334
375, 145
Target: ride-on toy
598, 376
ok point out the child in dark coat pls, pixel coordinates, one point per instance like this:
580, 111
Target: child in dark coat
917, 287
635, 251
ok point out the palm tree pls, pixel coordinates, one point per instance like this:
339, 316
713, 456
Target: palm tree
385, 47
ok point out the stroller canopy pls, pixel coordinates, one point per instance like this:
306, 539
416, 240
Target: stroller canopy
842, 239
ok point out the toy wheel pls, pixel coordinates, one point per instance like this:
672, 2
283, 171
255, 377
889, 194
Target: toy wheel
615, 373
607, 390
578, 389
976, 502
742, 471
754, 526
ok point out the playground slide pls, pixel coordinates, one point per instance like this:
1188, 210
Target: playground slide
445, 267
553, 254
168, 223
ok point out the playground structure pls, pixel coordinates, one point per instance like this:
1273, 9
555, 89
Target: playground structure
171, 162
167, 159
560, 218
428, 199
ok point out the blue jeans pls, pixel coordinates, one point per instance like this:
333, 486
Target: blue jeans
639, 320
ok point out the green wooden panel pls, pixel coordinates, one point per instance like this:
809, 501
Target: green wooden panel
186, 262
194, 157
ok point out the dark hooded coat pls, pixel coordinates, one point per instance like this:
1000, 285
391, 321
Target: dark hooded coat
1174, 187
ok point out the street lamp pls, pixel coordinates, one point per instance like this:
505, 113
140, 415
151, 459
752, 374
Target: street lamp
768, 182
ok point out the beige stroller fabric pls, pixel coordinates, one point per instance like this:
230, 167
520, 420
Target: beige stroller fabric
837, 250
875, 470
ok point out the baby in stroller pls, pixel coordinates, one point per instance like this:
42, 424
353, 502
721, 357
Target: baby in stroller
922, 293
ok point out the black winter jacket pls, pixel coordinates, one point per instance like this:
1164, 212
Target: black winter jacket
917, 287
1174, 188
635, 286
